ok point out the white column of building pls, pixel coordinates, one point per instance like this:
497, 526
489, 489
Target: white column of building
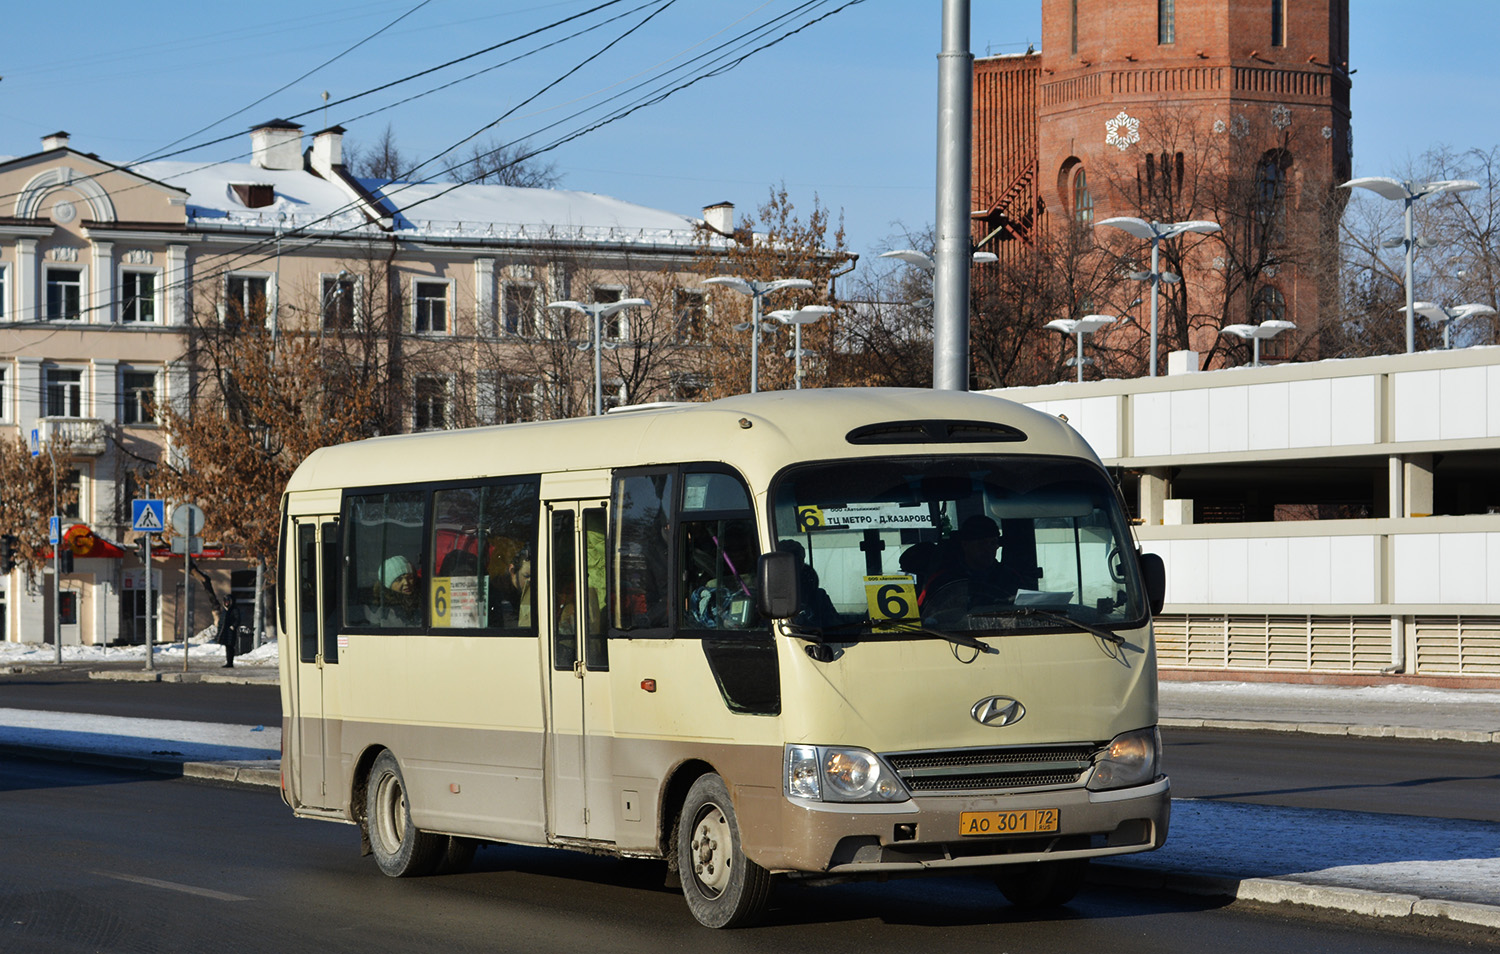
26, 306
1153, 498
1417, 485
31, 386
177, 279
484, 297
102, 287
104, 390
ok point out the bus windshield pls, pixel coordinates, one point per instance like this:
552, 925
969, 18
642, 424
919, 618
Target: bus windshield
995, 544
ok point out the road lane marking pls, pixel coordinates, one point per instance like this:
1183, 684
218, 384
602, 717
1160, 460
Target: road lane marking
173, 886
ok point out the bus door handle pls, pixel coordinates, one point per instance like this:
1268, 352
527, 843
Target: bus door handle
578, 668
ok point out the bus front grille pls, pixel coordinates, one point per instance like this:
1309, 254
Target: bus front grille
996, 769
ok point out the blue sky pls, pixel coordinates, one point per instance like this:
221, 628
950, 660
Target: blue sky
844, 110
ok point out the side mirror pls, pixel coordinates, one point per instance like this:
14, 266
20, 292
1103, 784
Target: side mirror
778, 585
1154, 575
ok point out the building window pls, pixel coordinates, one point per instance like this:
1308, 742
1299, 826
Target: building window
245, 300
518, 399
4, 286
1083, 200
691, 311
1269, 305
139, 296
616, 327
139, 404
1270, 194
430, 412
4, 396
1073, 27
431, 304
73, 485
520, 309
1166, 21
64, 294
64, 392
1278, 22
338, 303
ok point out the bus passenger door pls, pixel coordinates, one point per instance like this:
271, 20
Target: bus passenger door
314, 747
579, 769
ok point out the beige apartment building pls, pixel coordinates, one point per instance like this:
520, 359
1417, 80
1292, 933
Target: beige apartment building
106, 270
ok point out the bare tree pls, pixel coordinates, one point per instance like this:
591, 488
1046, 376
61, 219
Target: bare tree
776, 243
381, 160
503, 163
27, 502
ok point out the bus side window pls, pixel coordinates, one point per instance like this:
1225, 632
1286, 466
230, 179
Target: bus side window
384, 548
719, 567
640, 597
595, 648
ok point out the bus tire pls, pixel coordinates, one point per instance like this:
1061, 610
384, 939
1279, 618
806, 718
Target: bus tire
723, 888
400, 848
1042, 884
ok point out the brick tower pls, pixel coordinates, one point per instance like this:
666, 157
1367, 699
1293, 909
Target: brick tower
1235, 111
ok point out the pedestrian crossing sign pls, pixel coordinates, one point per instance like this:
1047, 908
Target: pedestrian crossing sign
147, 516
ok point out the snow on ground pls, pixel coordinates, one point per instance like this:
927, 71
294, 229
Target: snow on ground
1308, 694
141, 738
1432, 857
203, 649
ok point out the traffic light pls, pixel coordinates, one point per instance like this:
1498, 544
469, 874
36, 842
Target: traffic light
8, 552
65, 560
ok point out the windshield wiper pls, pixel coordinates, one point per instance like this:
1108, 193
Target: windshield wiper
856, 628
1020, 611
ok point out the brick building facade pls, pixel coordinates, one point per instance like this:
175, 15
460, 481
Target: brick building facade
1231, 110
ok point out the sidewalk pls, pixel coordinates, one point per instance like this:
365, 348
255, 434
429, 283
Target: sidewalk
1382, 866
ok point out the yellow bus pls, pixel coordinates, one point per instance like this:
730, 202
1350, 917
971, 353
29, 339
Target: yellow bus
808, 635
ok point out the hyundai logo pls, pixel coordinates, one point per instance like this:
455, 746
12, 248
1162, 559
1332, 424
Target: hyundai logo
997, 711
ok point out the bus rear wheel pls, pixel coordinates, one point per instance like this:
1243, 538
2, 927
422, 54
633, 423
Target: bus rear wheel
1042, 884
723, 888
400, 848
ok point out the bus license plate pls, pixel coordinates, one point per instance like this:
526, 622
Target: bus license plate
1027, 822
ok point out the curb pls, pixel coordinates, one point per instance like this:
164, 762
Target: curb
1336, 729
160, 675
1358, 901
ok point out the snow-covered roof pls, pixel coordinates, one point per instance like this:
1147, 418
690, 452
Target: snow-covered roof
438, 210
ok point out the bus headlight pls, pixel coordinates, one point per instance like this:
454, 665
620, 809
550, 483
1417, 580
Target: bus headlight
1131, 759
828, 773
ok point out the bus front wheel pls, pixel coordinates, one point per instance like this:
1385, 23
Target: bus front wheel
400, 848
723, 888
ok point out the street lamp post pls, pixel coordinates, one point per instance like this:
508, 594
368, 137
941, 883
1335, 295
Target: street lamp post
1079, 327
598, 311
1255, 334
797, 317
1407, 193
757, 291
1439, 315
1156, 233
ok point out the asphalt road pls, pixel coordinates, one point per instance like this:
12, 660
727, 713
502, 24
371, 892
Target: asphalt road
97, 859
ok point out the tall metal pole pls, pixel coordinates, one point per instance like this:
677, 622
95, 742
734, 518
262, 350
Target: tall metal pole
150, 629
1079, 359
755, 340
56, 561
1155, 284
950, 282
598, 363
1411, 315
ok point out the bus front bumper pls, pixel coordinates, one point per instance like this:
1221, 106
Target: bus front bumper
923, 834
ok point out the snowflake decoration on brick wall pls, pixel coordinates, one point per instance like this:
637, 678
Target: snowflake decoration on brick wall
1239, 126
1220, 125
1122, 132
1281, 116
1327, 132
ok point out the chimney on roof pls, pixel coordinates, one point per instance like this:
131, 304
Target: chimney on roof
720, 217
276, 145
328, 148
58, 140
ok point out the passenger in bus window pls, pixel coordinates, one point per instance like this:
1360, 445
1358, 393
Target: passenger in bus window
395, 601
726, 598
815, 609
513, 596
968, 575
